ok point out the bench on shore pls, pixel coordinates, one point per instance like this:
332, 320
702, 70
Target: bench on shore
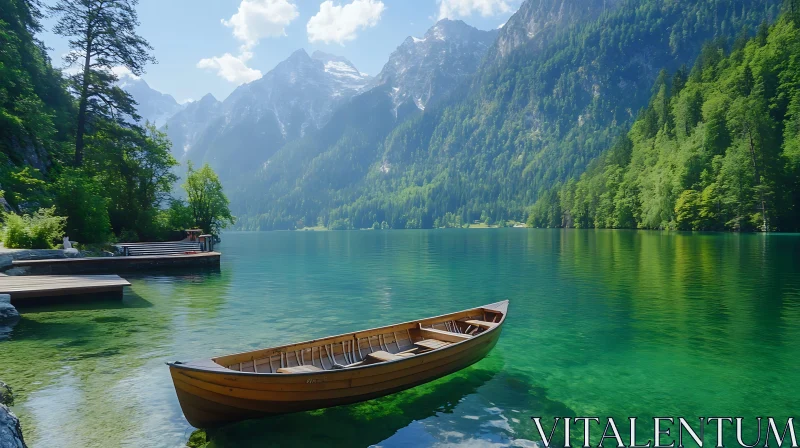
165, 248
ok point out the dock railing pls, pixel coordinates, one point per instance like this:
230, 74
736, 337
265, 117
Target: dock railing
165, 248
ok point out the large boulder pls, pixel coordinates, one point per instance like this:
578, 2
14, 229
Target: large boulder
10, 429
9, 316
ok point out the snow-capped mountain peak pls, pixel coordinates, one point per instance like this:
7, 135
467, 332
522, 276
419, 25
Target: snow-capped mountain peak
258, 118
153, 106
423, 69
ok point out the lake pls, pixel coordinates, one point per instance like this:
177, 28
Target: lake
601, 323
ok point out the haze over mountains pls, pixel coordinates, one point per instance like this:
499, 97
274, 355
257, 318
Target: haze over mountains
154, 106
460, 124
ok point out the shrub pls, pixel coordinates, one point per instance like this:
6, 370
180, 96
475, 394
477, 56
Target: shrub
43, 230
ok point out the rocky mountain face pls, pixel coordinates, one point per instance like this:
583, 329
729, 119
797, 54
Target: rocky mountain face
153, 106
538, 20
424, 70
298, 96
186, 127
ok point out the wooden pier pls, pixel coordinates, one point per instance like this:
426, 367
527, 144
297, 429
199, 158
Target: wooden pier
114, 265
24, 288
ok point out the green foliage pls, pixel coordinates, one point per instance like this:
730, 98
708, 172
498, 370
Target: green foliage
25, 186
178, 216
102, 35
42, 230
135, 169
720, 153
125, 171
82, 199
34, 106
207, 202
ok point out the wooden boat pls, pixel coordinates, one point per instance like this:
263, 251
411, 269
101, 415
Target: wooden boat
336, 370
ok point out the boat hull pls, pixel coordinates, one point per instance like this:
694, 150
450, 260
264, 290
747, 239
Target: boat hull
214, 398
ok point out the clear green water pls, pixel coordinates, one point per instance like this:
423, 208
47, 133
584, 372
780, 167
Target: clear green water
602, 323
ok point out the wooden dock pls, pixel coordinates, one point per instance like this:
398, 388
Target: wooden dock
23, 288
115, 265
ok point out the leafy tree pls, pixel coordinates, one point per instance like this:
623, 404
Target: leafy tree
136, 169
102, 36
207, 202
81, 198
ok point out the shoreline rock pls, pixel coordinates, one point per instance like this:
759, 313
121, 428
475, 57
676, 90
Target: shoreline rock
6, 394
10, 428
9, 316
7, 257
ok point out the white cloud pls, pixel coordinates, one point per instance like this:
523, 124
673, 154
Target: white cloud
232, 68
257, 19
451, 9
123, 72
340, 23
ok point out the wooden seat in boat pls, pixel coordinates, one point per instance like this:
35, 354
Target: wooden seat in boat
431, 344
299, 369
382, 356
447, 336
481, 323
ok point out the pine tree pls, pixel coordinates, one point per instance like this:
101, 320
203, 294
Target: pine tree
102, 36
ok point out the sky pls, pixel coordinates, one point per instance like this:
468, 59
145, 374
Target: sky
213, 46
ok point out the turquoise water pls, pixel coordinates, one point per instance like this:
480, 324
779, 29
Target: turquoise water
602, 323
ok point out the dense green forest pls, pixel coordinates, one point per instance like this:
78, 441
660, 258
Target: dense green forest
487, 153
717, 148
72, 159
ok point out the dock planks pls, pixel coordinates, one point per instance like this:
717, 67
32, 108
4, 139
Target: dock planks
23, 288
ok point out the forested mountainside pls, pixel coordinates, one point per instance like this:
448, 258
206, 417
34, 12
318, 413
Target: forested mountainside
536, 114
717, 148
35, 109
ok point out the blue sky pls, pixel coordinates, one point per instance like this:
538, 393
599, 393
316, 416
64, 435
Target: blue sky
212, 46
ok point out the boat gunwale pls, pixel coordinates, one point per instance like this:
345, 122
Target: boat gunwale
226, 371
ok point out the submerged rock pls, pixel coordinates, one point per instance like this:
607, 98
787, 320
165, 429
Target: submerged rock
9, 316
10, 429
6, 394
198, 439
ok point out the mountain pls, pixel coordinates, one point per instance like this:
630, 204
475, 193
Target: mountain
153, 106
185, 127
556, 90
297, 97
420, 73
425, 70
536, 22
717, 148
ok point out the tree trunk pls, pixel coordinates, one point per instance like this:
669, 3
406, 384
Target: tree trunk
84, 100
757, 178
